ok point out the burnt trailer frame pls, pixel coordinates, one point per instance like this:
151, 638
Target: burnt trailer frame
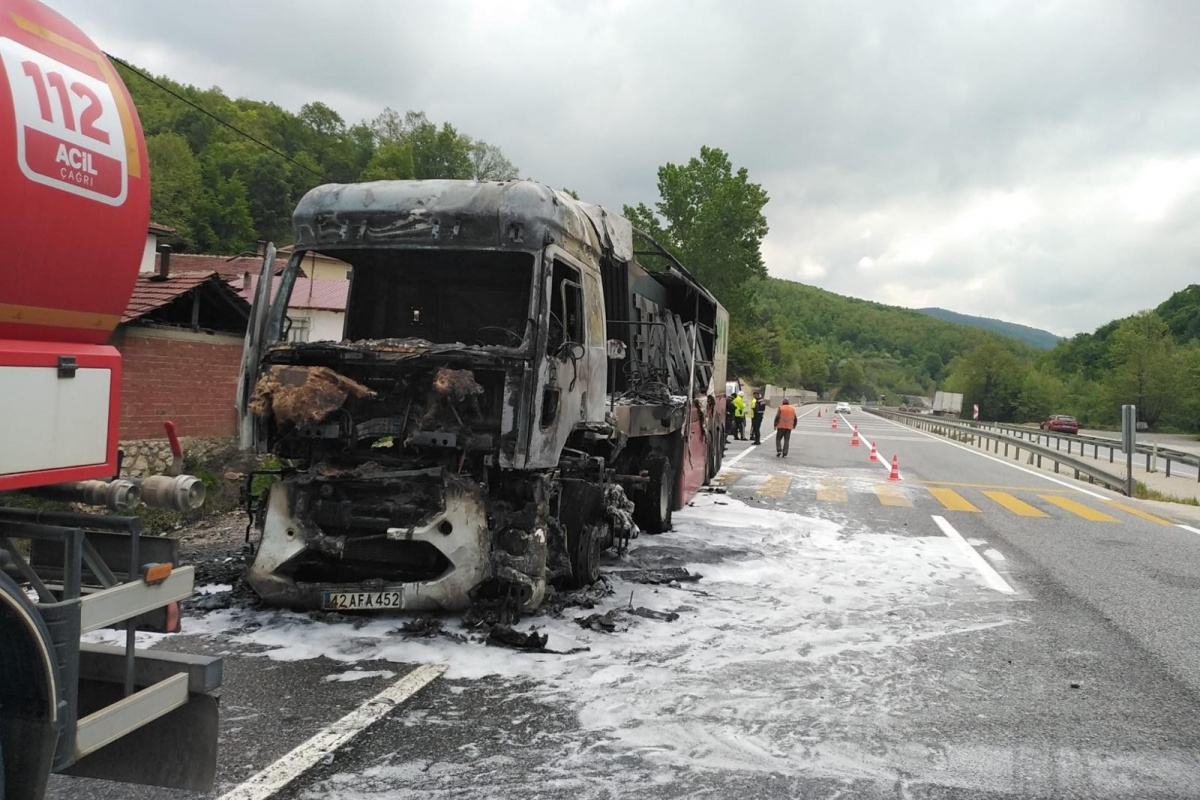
610, 378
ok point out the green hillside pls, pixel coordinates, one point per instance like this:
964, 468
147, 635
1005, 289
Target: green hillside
1151, 359
1036, 337
220, 190
798, 335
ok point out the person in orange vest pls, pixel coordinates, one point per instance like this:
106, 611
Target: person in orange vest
785, 421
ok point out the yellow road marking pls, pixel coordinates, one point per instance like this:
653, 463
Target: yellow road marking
952, 500
775, 486
729, 478
1078, 509
991, 486
831, 490
891, 496
1018, 507
1137, 512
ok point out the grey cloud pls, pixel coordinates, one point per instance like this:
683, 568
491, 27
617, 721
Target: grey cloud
896, 116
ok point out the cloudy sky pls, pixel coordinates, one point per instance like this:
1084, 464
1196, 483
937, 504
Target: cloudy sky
1033, 161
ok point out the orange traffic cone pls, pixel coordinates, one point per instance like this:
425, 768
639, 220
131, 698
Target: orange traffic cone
874, 455
854, 438
895, 473
818, 412
834, 425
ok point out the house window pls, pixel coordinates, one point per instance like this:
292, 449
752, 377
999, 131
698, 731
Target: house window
298, 332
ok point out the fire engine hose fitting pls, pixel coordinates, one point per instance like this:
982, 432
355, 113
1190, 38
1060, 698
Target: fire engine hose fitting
118, 495
179, 493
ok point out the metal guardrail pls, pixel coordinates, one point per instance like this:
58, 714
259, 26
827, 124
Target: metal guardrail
981, 437
1150, 451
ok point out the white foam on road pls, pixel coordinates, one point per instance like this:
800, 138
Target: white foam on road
796, 618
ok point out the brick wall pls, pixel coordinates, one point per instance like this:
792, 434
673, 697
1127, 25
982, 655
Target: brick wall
189, 378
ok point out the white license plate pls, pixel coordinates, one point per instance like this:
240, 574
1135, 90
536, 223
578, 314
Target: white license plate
360, 601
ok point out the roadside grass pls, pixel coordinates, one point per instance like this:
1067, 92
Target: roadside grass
1146, 493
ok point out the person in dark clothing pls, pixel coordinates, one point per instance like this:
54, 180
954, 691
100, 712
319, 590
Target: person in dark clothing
739, 416
785, 421
756, 417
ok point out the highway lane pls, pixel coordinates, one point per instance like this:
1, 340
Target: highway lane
1134, 567
839, 643
882, 662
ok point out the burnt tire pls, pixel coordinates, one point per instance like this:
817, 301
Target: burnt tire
584, 550
653, 505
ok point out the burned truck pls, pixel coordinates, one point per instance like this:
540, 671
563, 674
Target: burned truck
513, 393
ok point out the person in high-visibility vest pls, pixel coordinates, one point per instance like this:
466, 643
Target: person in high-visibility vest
739, 416
758, 407
785, 421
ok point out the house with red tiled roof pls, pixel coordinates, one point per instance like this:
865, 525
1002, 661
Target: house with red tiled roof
181, 345
316, 309
181, 334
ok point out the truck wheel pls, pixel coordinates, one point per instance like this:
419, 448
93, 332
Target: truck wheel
585, 555
28, 684
653, 506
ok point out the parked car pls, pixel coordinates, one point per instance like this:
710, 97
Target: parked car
842, 408
903, 409
1061, 423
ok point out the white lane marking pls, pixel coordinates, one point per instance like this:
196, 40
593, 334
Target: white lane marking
1188, 528
990, 576
944, 440
735, 459
294, 764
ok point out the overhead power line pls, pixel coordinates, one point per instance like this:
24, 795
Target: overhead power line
211, 115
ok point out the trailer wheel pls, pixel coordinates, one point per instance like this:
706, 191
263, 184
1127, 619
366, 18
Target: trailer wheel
585, 555
653, 505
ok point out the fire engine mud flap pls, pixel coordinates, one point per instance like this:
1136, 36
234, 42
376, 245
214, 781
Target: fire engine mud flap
176, 751
29, 697
459, 533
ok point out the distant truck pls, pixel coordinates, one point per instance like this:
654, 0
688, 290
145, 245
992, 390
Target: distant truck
512, 391
947, 404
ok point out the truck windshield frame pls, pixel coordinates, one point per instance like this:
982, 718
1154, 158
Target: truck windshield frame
474, 297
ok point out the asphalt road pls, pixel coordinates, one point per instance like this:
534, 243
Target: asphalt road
973, 630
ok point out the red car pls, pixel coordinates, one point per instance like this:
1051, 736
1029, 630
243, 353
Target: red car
1061, 423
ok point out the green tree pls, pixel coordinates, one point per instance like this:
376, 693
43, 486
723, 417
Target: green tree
933, 366
222, 220
1187, 414
747, 355
711, 217
853, 379
1145, 370
1040, 396
391, 161
488, 163
439, 152
174, 185
991, 377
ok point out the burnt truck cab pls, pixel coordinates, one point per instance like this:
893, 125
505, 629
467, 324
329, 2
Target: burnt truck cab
457, 445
